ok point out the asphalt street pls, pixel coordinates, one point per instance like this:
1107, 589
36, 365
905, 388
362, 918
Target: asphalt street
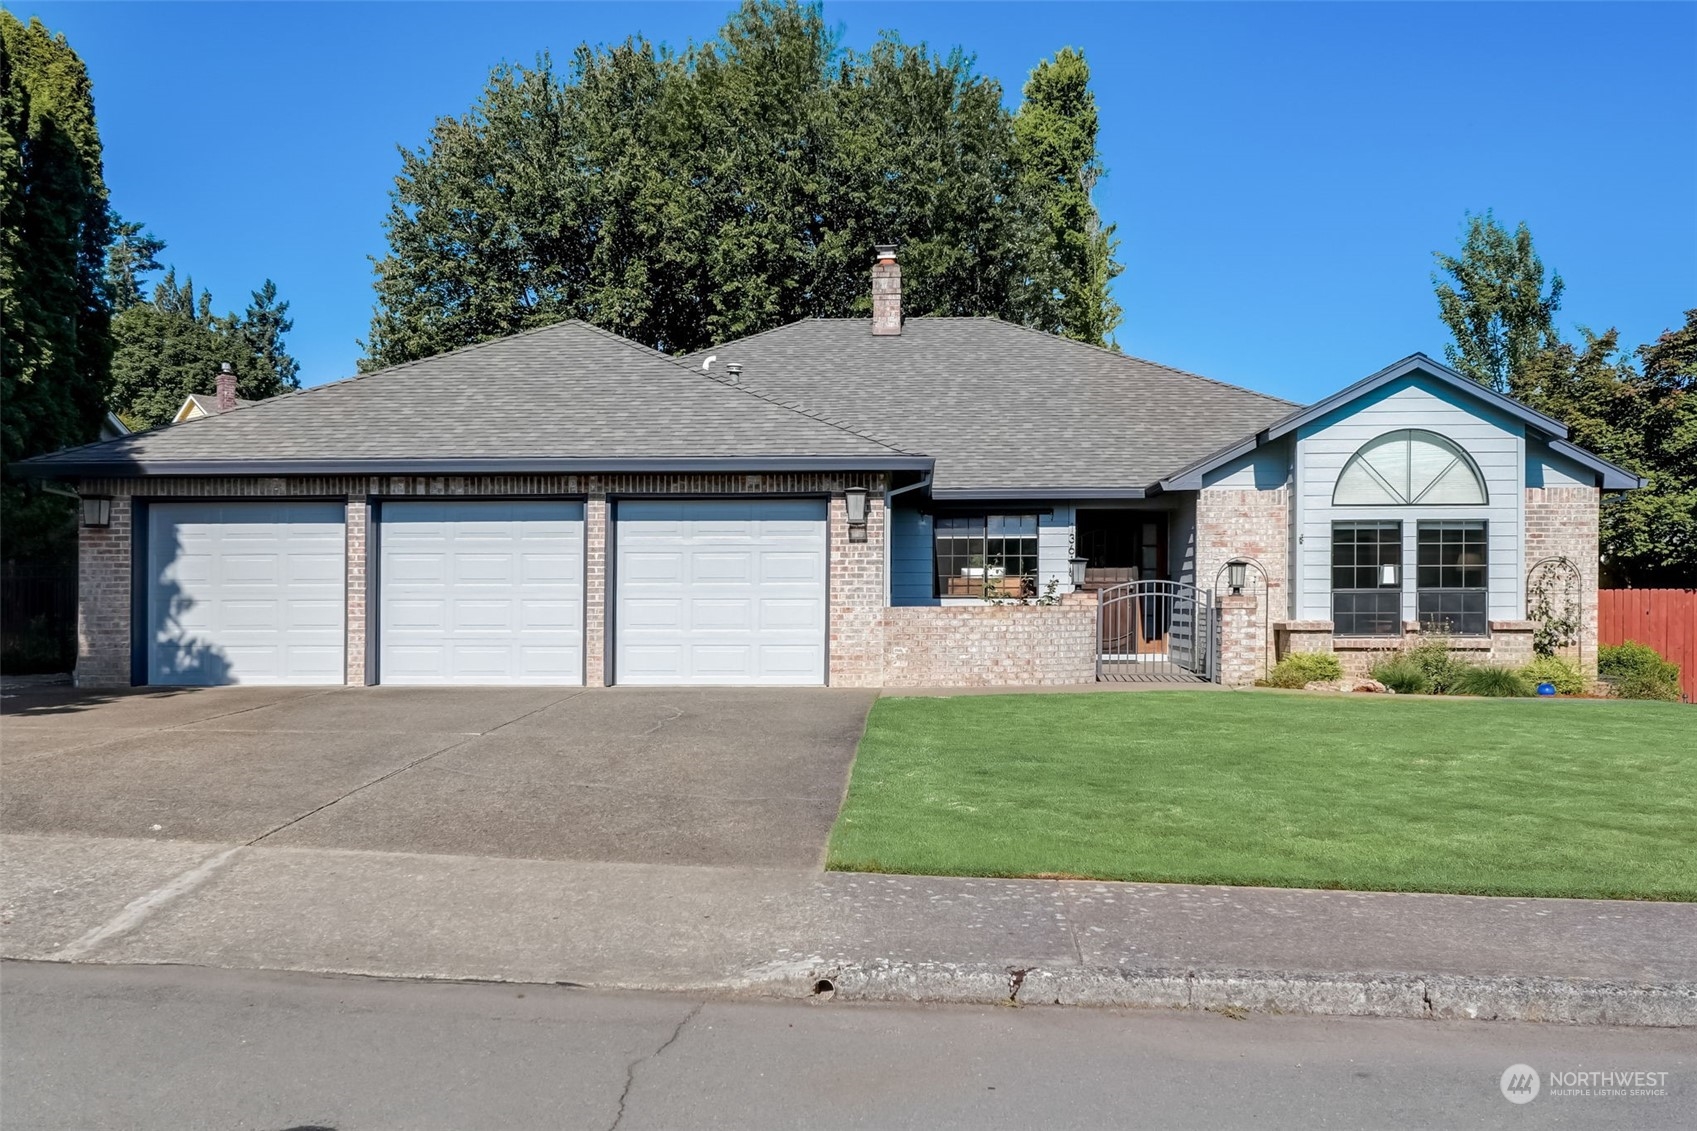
90, 1047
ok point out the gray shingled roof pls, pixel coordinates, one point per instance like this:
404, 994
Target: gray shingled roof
999, 406
208, 402
563, 396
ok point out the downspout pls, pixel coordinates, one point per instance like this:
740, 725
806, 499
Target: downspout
889, 528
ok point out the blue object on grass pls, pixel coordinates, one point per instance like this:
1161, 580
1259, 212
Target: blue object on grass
1546, 689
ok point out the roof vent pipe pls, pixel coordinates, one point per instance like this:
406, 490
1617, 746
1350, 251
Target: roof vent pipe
734, 368
707, 362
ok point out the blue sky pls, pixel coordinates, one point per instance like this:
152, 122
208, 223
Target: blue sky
1280, 173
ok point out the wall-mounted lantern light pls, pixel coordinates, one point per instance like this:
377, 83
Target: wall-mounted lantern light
96, 510
1388, 575
1078, 567
855, 497
1237, 575
854, 502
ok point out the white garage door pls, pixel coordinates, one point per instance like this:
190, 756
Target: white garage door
246, 593
720, 591
481, 592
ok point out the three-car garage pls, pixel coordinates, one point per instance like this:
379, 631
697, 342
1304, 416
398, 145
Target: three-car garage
485, 591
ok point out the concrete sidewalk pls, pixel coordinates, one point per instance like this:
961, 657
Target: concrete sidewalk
795, 933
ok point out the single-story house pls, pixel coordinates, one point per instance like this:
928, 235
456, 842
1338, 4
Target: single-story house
837, 501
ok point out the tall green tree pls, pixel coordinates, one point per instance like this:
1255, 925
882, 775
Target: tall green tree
1495, 302
173, 345
1653, 532
1074, 260
1645, 421
133, 252
684, 198
1501, 314
260, 329
54, 319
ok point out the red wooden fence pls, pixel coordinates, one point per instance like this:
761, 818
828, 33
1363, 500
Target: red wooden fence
1665, 619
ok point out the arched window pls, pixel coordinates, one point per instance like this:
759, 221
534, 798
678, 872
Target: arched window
1406, 467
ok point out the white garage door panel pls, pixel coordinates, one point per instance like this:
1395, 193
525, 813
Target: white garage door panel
481, 592
720, 591
246, 593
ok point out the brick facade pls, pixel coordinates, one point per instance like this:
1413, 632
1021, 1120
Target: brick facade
359, 567
1243, 522
103, 600
1253, 525
856, 644
1242, 622
991, 645
1509, 644
1562, 522
856, 568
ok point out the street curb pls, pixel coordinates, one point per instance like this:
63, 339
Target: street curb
1408, 996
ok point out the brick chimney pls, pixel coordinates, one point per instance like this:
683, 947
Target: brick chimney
226, 388
886, 292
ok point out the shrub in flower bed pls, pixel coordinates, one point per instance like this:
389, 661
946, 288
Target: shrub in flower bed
1638, 671
1566, 676
1302, 668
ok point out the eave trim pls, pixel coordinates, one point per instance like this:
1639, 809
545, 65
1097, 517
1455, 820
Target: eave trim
128, 469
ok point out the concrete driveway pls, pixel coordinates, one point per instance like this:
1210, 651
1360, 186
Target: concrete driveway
749, 777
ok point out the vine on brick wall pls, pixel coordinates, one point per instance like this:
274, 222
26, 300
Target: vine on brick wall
1552, 601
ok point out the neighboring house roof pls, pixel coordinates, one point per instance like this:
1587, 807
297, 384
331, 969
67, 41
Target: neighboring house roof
1546, 428
113, 427
567, 397
1006, 412
197, 405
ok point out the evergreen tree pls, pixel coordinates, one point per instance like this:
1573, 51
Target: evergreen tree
1497, 309
134, 252
173, 345
1643, 421
1059, 167
1652, 533
54, 321
260, 330
685, 198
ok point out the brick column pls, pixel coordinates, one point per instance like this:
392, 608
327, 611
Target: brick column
857, 595
1237, 522
103, 600
1243, 639
359, 542
595, 586
1562, 522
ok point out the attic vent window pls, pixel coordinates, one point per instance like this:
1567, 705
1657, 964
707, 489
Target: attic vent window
1409, 467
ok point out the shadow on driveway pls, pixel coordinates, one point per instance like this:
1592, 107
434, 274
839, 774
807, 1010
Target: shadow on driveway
735, 777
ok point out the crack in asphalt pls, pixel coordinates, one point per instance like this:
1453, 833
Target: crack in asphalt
630, 1069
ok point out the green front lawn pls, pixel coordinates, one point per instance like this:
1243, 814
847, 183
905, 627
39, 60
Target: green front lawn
1494, 797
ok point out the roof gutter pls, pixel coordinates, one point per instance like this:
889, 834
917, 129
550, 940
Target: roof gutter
1034, 494
49, 468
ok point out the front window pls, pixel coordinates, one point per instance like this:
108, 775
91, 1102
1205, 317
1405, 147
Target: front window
1409, 467
986, 556
1367, 578
1450, 594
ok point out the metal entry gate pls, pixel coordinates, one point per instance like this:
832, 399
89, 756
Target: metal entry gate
1155, 631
